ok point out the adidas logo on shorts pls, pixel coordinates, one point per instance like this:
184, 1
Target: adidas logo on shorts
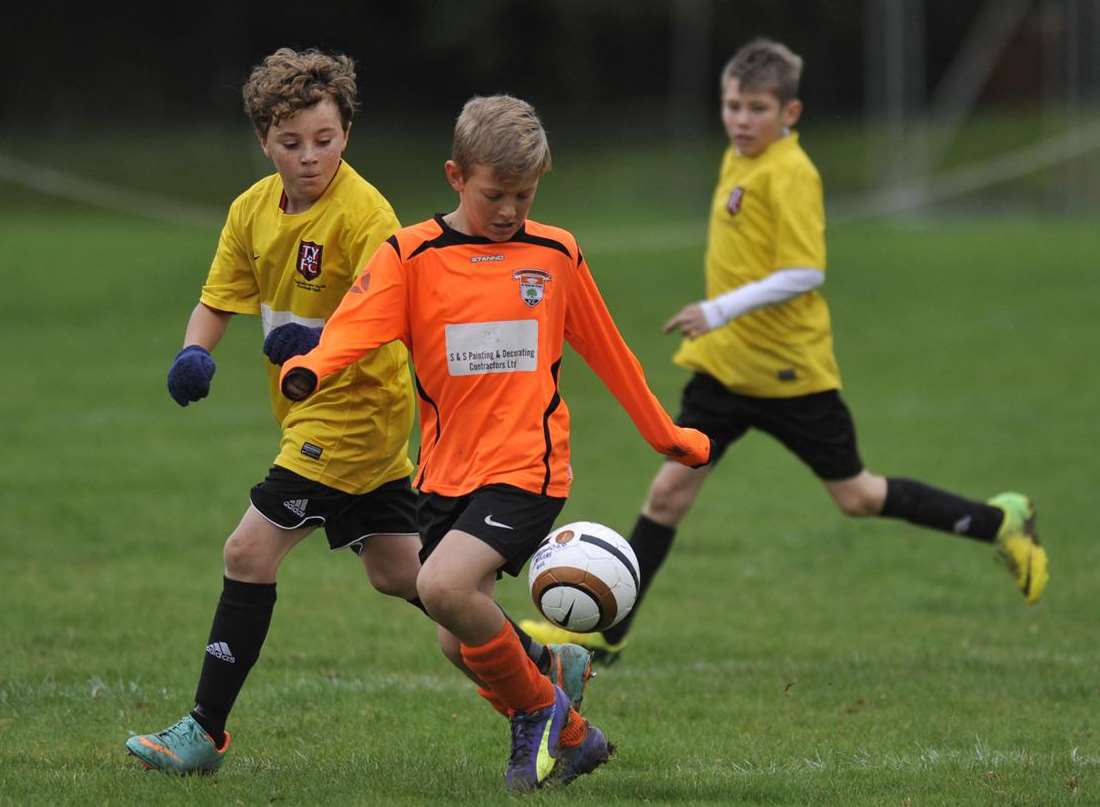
297, 506
220, 650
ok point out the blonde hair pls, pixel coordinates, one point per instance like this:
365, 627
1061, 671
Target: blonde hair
503, 133
289, 81
765, 65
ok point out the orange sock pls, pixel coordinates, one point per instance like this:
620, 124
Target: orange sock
494, 701
503, 666
576, 728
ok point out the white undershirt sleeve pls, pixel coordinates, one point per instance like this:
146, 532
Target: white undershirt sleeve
778, 287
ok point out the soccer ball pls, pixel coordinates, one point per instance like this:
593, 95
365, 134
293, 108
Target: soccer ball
584, 577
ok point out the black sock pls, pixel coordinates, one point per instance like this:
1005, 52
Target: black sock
927, 506
240, 627
538, 653
650, 542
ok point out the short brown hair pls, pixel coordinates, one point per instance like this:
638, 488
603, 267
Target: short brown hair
289, 81
504, 133
765, 64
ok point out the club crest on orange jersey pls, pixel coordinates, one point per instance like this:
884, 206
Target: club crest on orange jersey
532, 285
309, 259
733, 204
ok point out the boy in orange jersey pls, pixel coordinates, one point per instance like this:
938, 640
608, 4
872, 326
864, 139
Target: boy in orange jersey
485, 300
292, 245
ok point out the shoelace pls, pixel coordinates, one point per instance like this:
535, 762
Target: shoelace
179, 730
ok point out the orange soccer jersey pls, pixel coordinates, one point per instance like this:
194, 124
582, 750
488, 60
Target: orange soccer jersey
486, 324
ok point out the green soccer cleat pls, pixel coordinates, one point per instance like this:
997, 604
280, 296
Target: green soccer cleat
603, 652
570, 669
182, 748
1018, 545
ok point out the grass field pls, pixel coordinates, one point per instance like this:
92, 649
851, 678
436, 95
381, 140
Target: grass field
786, 656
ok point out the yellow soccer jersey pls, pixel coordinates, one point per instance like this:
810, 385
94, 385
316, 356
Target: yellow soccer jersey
767, 214
353, 435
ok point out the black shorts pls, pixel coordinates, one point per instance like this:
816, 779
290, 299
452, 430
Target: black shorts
817, 428
289, 501
510, 520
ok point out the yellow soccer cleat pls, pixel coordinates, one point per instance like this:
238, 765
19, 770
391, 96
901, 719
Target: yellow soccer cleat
1018, 545
603, 652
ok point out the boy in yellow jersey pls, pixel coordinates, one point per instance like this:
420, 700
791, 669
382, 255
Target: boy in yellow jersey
761, 348
485, 298
291, 247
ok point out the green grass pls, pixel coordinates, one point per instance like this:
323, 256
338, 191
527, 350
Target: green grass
787, 655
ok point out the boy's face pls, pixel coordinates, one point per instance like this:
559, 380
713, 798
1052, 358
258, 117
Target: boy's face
754, 119
489, 206
306, 149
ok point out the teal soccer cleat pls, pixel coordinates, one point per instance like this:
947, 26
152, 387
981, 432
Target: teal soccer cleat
182, 748
570, 669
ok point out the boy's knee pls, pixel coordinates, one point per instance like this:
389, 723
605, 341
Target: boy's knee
251, 558
668, 502
392, 582
438, 597
857, 505
240, 557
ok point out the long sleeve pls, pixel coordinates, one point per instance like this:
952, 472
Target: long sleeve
590, 329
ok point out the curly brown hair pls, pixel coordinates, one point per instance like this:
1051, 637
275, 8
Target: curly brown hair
289, 81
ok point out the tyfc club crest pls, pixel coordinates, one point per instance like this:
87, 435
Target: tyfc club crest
532, 285
309, 259
733, 204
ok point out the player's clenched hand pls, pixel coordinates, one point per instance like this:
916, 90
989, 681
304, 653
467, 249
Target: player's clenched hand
291, 339
691, 321
190, 374
694, 448
299, 384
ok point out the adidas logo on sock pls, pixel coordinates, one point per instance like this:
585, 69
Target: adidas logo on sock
221, 651
297, 506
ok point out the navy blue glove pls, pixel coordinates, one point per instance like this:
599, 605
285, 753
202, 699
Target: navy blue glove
189, 378
290, 340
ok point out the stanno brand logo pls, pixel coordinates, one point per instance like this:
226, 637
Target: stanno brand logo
484, 258
297, 506
309, 259
221, 651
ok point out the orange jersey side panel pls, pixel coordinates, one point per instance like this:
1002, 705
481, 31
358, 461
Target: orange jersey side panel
486, 324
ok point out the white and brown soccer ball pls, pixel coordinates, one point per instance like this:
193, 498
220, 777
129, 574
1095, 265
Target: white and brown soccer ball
584, 577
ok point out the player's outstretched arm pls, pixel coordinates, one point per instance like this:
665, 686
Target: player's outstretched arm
372, 313
593, 333
193, 367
